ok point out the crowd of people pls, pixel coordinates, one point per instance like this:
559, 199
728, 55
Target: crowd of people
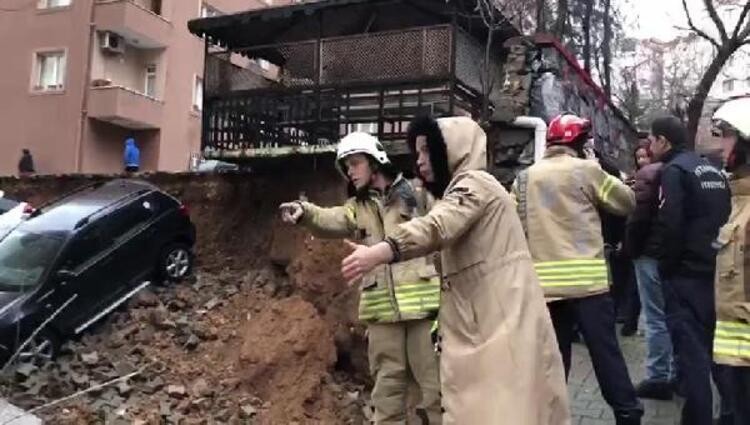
520, 274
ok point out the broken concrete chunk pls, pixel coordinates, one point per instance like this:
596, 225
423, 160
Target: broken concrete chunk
213, 302
90, 359
24, 370
176, 390
247, 411
123, 388
192, 342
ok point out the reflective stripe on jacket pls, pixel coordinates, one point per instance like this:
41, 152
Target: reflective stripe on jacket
732, 338
558, 200
393, 292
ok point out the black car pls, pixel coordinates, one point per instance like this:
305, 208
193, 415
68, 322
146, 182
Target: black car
75, 260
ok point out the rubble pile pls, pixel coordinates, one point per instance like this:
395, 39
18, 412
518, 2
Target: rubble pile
224, 348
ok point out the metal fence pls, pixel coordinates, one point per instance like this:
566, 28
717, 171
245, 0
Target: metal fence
328, 87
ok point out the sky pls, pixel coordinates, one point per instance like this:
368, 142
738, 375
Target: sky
657, 18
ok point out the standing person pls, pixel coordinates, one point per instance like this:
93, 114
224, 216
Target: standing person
624, 290
731, 347
398, 302
559, 199
643, 245
499, 361
26, 164
132, 156
694, 204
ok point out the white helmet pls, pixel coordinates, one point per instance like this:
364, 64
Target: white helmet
737, 114
359, 142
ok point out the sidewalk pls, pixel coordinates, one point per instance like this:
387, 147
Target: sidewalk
587, 403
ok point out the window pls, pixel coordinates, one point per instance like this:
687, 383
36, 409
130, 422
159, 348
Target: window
198, 93
728, 85
49, 4
150, 88
25, 257
84, 248
49, 71
208, 11
130, 218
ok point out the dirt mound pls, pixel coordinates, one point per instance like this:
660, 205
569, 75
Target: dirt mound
284, 358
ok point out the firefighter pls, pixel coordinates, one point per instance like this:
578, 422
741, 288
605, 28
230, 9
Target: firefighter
398, 302
499, 360
557, 199
731, 345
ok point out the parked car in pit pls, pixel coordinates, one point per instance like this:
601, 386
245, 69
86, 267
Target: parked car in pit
76, 259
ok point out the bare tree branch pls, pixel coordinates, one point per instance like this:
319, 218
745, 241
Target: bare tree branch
695, 29
715, 17
741, 36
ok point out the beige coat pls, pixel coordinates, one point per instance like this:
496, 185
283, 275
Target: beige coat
558, 200
500, 363
732, 339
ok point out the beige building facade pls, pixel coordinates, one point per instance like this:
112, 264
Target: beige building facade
81, 76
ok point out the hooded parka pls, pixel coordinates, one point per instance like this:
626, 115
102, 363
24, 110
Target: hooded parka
500, 363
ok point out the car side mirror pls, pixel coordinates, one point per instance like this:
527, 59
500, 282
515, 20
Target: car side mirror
63, 275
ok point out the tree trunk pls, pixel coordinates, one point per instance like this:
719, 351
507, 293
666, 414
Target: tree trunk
695, 107
488, 78
607, 49
562, 19
541, 21
587, 36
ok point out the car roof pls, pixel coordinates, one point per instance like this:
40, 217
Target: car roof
64, 214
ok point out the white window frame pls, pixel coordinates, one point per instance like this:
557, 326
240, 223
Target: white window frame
728, 84
53, 4
208, 11
150, 80
370, 128
38, 81
198, 93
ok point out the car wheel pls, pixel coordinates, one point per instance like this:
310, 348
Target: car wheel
42, 349
176, 262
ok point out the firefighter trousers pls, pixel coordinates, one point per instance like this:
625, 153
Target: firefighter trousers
397, 352
595, 316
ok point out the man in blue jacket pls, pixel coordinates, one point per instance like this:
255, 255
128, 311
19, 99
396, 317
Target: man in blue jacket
132, 156
694, 202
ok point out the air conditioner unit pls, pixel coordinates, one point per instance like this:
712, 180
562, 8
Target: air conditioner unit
112, 43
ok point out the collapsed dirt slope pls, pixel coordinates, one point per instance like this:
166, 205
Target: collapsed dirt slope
265, 332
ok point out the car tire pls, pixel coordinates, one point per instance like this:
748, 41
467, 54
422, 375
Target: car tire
42, 349
175, 263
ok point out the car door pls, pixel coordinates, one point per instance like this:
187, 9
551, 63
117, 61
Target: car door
134, 240
86, 261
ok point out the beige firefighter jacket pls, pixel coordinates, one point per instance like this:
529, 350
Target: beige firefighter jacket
732, 338
558, 200
500, 362
390, 293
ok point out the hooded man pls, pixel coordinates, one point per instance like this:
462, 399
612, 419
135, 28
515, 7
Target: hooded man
26, 164
398, 302
731, 345
499, 357
132, 156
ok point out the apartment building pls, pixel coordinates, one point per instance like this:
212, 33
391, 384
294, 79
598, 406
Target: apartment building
81, 76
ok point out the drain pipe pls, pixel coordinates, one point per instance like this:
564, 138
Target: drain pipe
540, 133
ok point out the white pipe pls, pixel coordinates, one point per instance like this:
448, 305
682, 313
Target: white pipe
540, 133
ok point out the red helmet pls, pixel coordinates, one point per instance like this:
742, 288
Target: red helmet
567, 128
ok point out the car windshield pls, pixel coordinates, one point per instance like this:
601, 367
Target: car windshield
25, 257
